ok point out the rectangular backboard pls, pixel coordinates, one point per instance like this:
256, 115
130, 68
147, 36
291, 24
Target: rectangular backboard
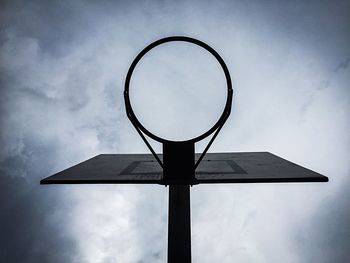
241, 167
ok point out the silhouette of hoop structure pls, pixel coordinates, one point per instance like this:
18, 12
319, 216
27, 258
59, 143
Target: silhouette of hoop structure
179, 167
226, 112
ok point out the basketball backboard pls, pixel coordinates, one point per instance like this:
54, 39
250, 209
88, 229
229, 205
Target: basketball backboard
240, 167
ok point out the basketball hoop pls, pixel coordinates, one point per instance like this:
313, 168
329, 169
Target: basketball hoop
226, 112
175, 152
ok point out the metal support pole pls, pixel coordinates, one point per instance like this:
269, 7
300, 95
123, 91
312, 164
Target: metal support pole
179, 224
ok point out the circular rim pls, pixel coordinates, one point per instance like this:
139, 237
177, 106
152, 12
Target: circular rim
197, 42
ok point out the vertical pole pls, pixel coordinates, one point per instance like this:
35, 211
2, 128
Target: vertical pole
179, 224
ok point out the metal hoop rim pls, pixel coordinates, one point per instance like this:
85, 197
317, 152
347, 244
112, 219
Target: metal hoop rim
226, 112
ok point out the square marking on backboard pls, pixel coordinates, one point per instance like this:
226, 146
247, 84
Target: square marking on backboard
205, 167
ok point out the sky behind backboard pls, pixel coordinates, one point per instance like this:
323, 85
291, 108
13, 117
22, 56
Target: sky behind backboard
63, 66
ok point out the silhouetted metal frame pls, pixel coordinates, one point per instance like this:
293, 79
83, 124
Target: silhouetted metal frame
215, 128
179, 224
179, 219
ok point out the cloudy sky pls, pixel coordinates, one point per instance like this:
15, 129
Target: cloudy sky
62, 71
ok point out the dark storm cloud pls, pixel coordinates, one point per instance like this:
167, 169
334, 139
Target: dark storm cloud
30, 229
56, 25
62, 69
31, 226
326, 238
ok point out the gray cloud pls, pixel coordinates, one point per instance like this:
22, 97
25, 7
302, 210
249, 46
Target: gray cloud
326, 237
62, 69
30, 227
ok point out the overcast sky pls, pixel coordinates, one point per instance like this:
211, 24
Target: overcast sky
62, 71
